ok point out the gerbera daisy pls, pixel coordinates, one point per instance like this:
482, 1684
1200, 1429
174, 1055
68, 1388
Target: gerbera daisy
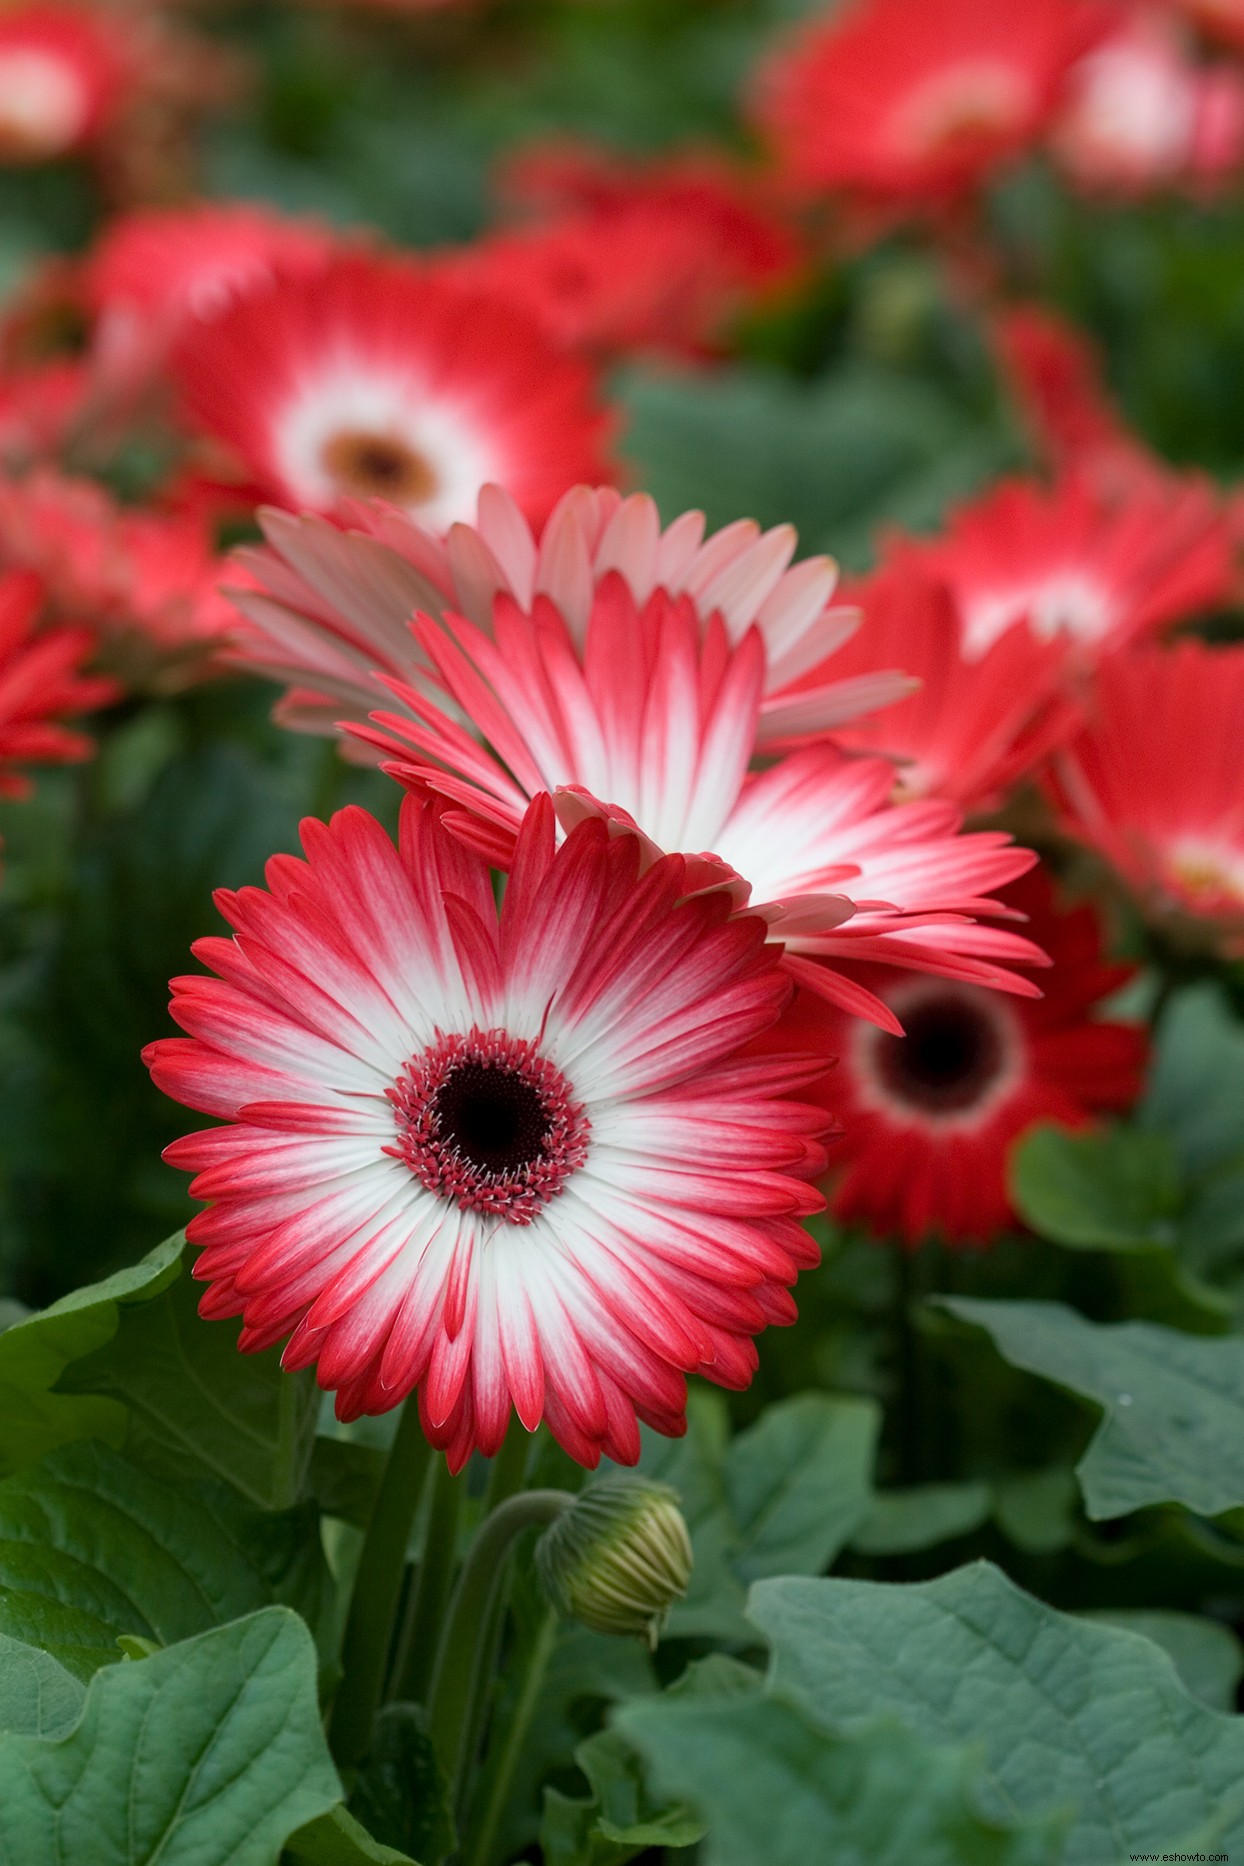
1070, 560
1153, 782
63, 73
40, 681
975, 725
528, 1161
156, 269
332, 605
1141, 114
929, 1118
654, 257
912, 103
374, 378
649, 718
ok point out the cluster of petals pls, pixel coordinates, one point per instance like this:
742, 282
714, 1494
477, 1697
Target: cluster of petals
372, 377
649, 718
549, 1161
625, 258
65, 71
331, 606
1072, 559
41, 683
144, 581
1141, 113
910, 104
929, 1119
977, 723
1152, 782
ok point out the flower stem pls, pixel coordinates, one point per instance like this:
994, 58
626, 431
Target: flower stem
416, 1651
377, 1589
500, 1777
460, 1673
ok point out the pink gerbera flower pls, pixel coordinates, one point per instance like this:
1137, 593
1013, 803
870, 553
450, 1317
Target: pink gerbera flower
975, 724
41, 681
1154, 783
930, 1117
650, 718
331, 606
912, 103
1073, 561
529, 1161
64, 70
373, 378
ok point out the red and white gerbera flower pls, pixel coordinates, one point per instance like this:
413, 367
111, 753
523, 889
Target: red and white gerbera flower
372, 378
331, 606
1153, 782
912, 103
930, 1117
40, 682
533, 1162
64, 70
650, 719
976, 724
1074, 561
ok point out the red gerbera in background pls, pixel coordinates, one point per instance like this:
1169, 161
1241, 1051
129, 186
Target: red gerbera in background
929, 1118
1155, 783
1070, 560
910, 103
529, 1163
40, 682
975, 725
375, 379
64, 71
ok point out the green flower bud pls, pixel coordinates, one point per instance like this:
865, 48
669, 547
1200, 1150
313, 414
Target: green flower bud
619, 1557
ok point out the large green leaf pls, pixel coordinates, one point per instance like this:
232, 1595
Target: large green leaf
1173, 1430
209, 1754
34, 1353
618, 1819
1207, 1655
337, 1839
1105, 1190
775, 1786
1195, 1095
834, 458
93, 1547
1066, 1714
400, 1795
38, 1697
901, 1521
195, 1405
783, 1497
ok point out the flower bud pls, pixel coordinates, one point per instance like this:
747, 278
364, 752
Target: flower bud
619, 1557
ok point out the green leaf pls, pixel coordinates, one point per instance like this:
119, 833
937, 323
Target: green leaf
34, 1353
1195, 1095
196, 1406
618, 1819
784, 1496
1207, 1655
775, 1786
38, 1697
209, 1754
902, 1521
92, 1547
834, 457
1037, 1510
1104, 1191
400, 1795
337, 1839
1173, 1430
1067, 1715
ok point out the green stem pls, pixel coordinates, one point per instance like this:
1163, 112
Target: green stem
377, 1589
416, 1651
460, 1673
501, 1775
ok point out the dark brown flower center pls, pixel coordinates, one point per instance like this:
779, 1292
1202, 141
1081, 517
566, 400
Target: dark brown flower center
492, 1117
950, 1057
378, 466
